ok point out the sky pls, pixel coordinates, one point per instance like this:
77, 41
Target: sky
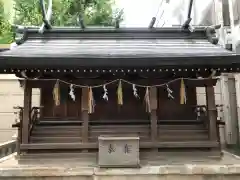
138, 13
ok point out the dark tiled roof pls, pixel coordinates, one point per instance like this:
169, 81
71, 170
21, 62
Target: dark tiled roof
106, 44
3, 49
122, 48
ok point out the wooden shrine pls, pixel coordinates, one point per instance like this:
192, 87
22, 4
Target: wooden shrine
118, 81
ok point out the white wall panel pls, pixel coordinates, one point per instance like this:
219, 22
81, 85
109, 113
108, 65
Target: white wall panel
11, 94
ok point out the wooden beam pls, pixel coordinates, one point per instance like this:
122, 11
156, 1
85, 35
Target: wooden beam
212, 112
153, 115
85, 116
26, 111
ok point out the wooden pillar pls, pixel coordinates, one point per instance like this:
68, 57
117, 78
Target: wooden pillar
85, 116
27, 104
237, 86
41, 101
153, 115
212, 113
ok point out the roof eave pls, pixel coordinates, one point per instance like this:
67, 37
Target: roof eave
22, 29
66, 62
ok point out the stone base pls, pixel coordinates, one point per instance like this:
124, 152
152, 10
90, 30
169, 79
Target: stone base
231, 172
228, 168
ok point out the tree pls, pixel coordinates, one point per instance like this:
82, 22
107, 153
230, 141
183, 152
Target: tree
27, 12
66, 12
102, 13
6, 34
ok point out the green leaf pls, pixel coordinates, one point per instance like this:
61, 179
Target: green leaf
6, 33
66, 12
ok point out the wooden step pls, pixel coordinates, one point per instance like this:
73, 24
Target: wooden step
117, 133
92, 145
181, 127
35, 139
146, 158
56, 130
118, 121
133, 128
92, 129
172, 137
60, 119
180, 144
47, 123
66, 130
92, 123
59, 146
66, 127
68, 139
78, 134
163, 135
94, 137
57, 155
123, 121
59, 133
58, 158
113, 130
143, 154
96, 120
179, 122
95, 127
181, 155
186, 132
105, 127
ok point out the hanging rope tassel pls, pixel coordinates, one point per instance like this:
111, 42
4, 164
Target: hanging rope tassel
91, 102
135, 93
147, 100
105, 95
72, 93
120, 93
169, 91
56, 93
183, 98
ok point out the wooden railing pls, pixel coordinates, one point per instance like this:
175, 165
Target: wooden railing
18, 125
34, 116
202, 114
